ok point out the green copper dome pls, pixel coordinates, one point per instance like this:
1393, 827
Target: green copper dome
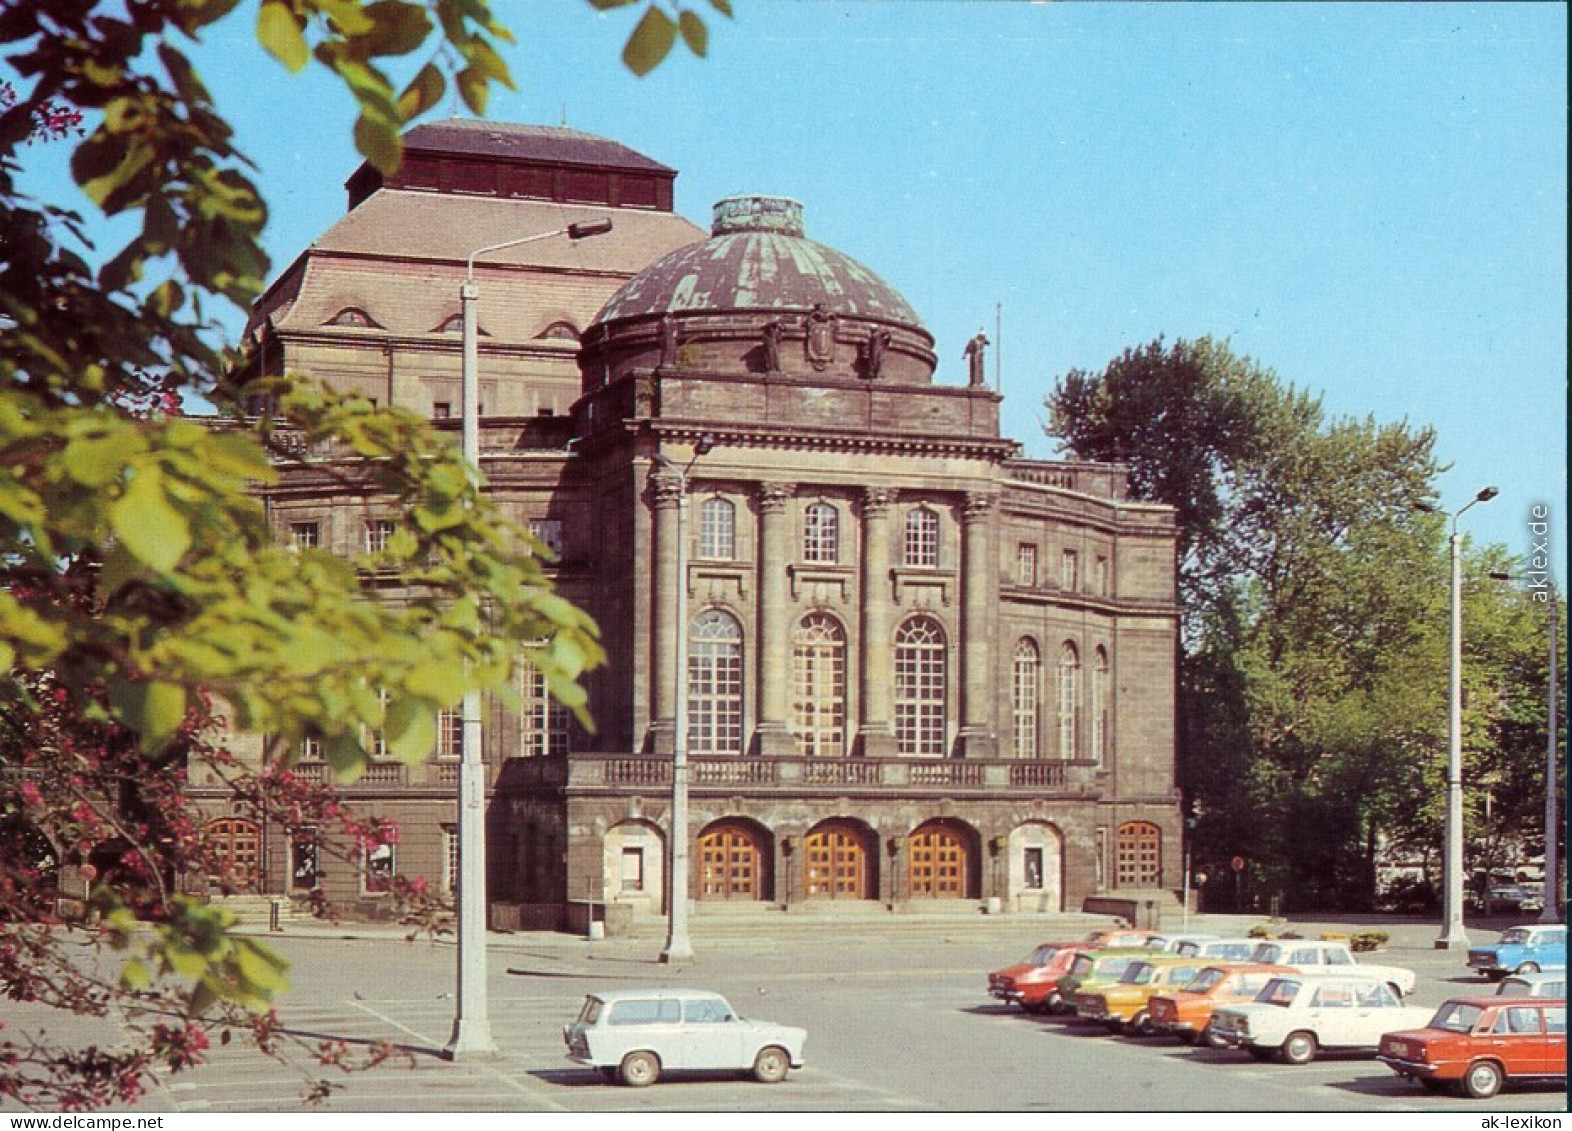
757, 258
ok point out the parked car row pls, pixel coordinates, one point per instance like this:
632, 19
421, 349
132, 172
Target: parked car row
1290, 999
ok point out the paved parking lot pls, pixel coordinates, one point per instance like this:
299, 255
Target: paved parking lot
898, 1020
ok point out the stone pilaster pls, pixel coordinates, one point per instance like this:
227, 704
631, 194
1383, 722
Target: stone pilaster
876, 734
979, 736
666, 495
774, 738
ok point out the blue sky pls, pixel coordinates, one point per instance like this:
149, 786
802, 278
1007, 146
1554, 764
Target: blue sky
1369, 199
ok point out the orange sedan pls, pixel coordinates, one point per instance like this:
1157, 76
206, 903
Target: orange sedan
1185, 1013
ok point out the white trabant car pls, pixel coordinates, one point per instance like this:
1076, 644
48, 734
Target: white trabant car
635, 1035
1322, 954
1297, 1015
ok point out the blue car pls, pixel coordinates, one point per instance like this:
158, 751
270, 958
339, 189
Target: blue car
1522, 950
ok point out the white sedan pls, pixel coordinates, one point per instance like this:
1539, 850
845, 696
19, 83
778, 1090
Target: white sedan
1297, 1015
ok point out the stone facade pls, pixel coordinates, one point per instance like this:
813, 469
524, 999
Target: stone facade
914, 666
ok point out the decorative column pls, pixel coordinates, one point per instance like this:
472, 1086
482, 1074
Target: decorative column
979, 737
876, 736
666, 493
774, 730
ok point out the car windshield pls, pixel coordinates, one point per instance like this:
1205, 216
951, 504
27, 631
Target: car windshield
1041, 955
1457, 1017
1138, 974
1082, 965
1114, 965
1280, 991
1267, 952
1206, 979
1515, 935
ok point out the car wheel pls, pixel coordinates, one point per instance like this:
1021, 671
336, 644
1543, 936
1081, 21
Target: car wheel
639, 1069
1259, 1053
1141, 1024
770, 1066
1212, 1040
1483, 1079
1528, 968
1299, 1048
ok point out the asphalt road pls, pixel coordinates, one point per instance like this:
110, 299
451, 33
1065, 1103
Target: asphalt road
896, 1023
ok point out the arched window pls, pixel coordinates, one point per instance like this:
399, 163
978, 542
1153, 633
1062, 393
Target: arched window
717, 529
715, 684
1138, 855
559, 332
821, 534
1100, 706
1069, 700
1026, 688
920, 689
354, 316
818, 686
922, 537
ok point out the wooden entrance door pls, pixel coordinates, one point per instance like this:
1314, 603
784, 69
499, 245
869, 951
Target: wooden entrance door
730, 864
940, 863
238, 843
837, 863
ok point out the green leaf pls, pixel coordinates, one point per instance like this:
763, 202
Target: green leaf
98, 459
474, 89
410, 730
281, 33
397, 28
650, 42
154, 709
722, 6
135, 975
438, 682
424, 91
694, 33
379, 143
608, 5
147, 524
262, 970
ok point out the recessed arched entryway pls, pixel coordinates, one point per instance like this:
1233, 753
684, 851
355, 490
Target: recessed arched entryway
237, 849
943, 859
734, 862
838, 861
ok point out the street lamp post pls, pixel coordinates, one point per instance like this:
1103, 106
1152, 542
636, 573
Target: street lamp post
1453, 936
471, 1025
678, 946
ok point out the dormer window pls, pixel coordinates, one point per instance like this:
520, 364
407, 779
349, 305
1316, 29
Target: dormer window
559, 332
354, 316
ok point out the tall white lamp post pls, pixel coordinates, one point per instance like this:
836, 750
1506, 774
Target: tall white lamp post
1453, 936
678, 946
471, 1025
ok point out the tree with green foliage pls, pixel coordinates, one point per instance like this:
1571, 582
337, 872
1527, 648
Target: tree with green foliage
144, 611
1312, 672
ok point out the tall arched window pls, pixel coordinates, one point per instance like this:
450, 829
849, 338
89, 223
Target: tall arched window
1100, 706
821, 534
717, 529
715, 684
818, 685
920, 688
1069, 700
922, 537
1026, 689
